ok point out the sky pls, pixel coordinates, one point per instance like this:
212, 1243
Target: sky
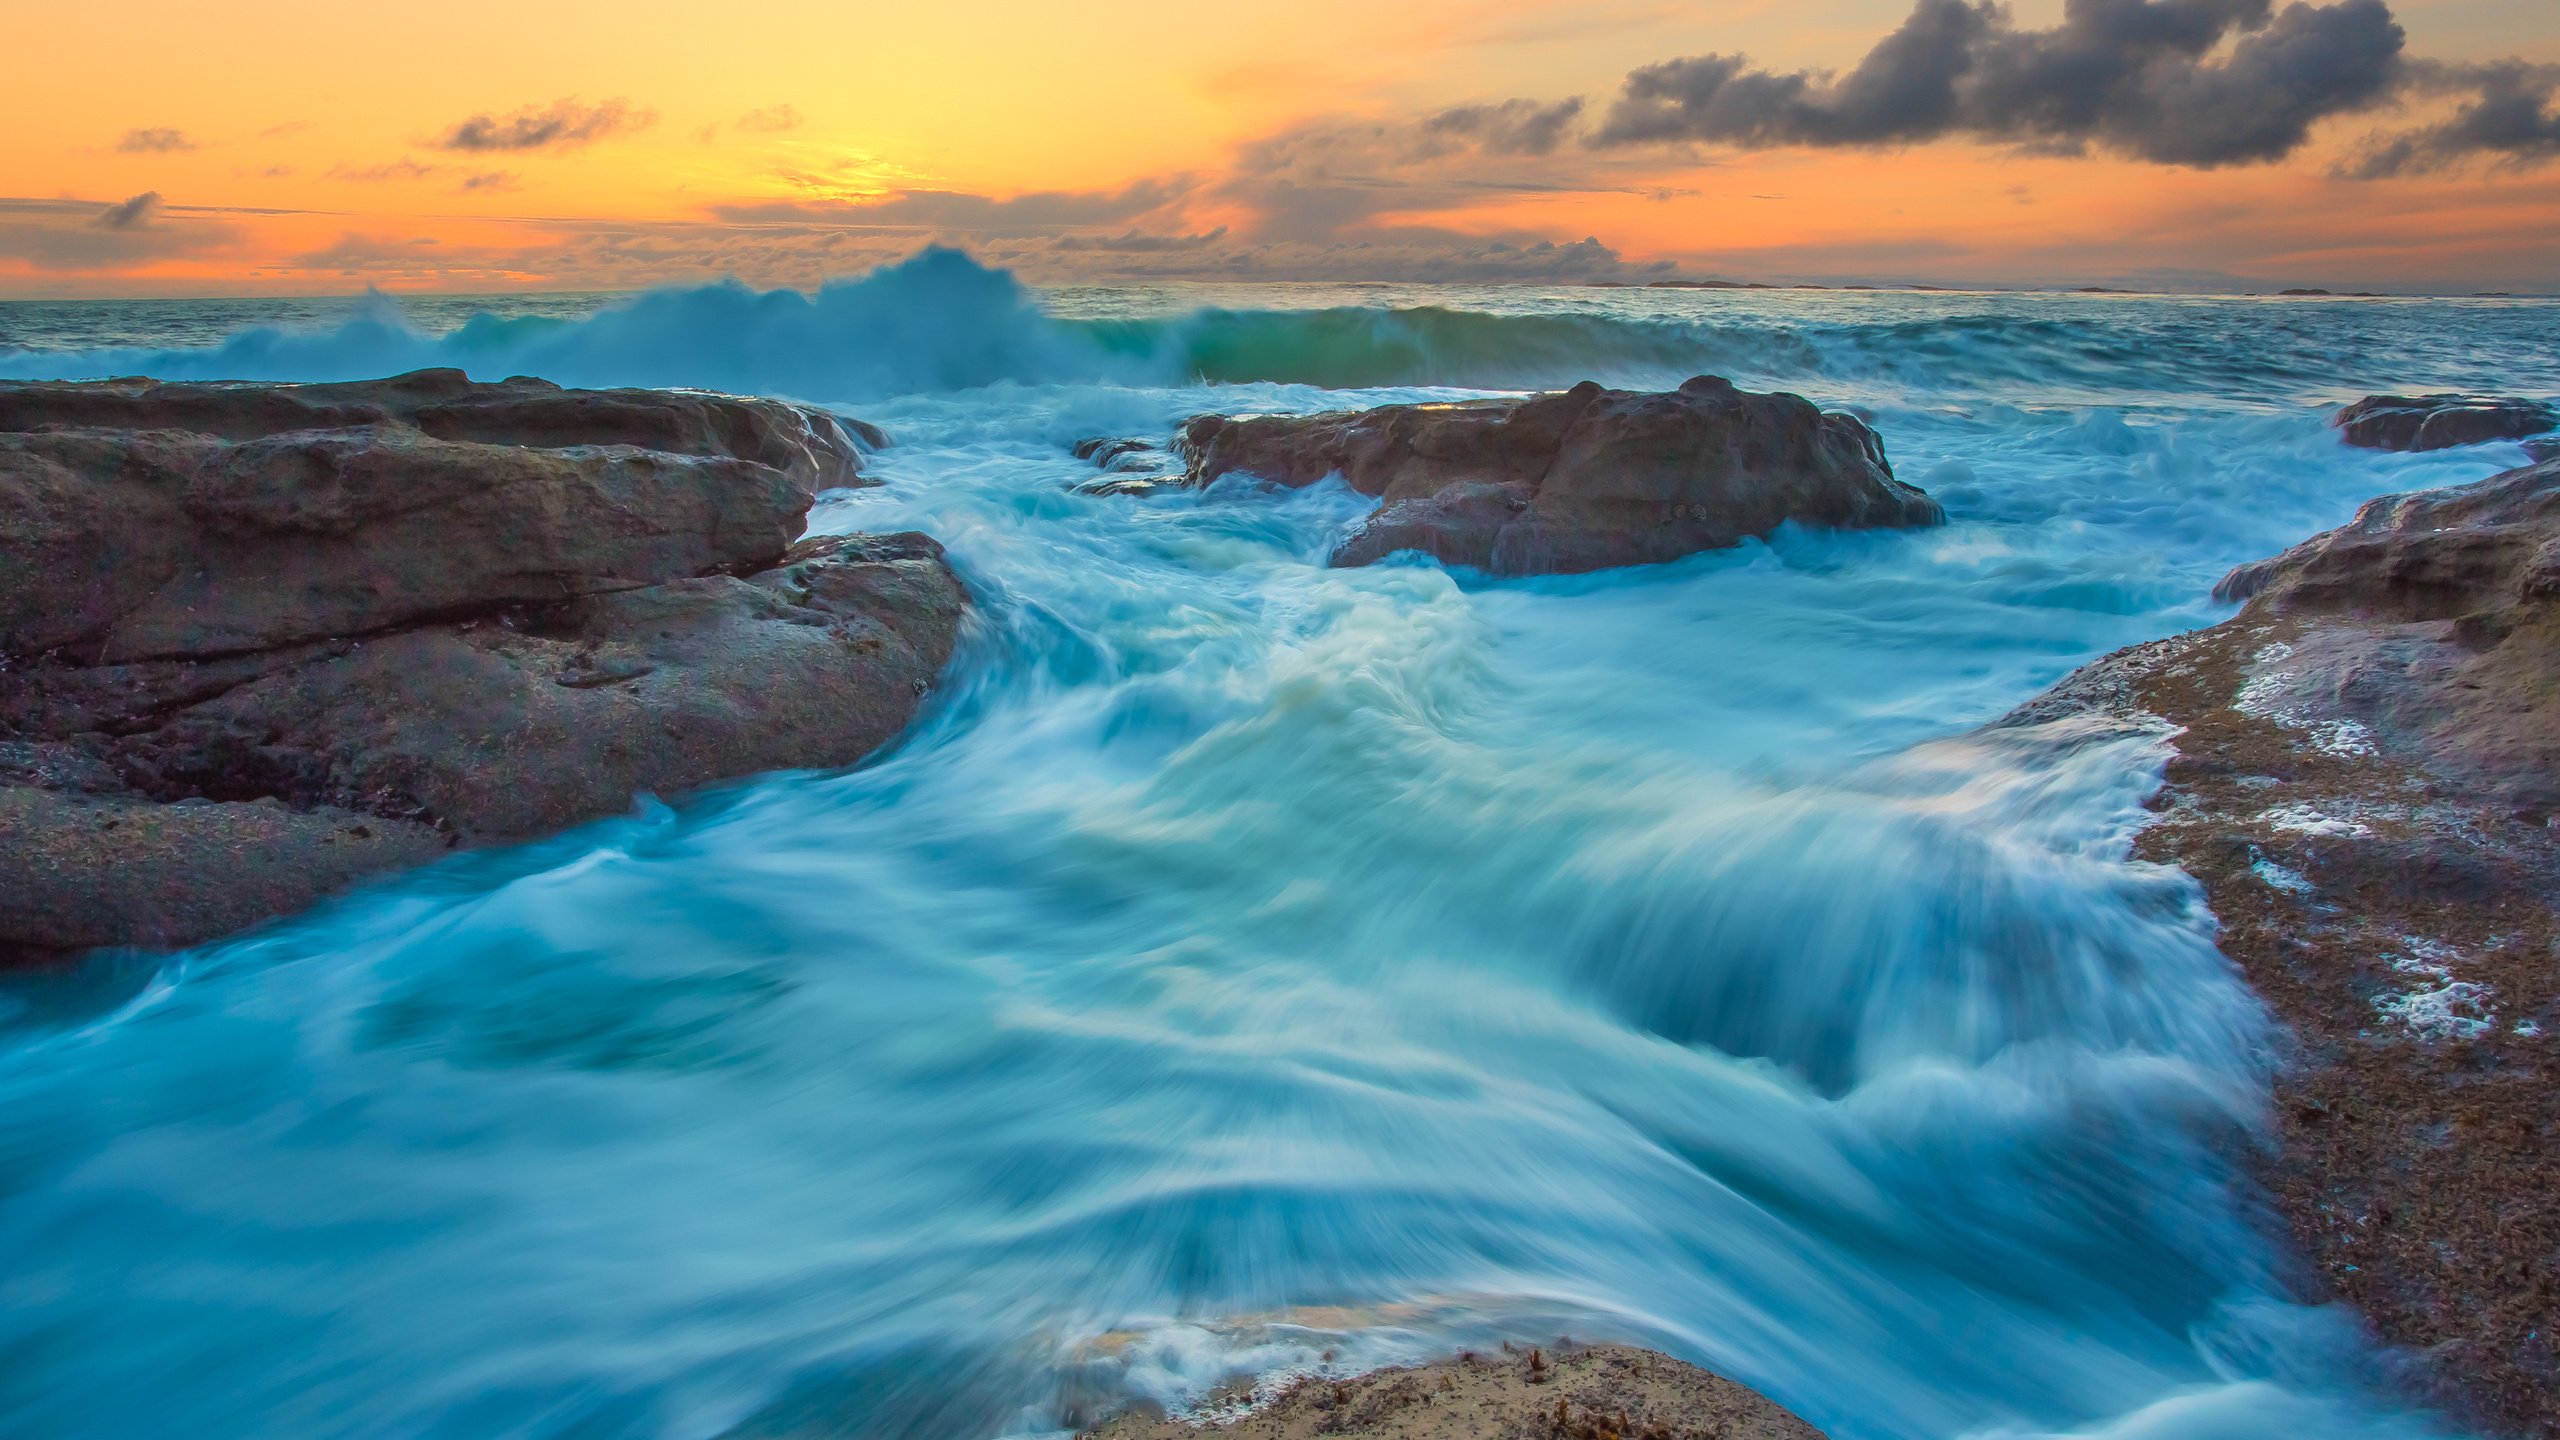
301, 147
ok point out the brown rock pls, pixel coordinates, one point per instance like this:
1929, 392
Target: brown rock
2366, 767
2440, 422
1582, 479
142, 521
294, 657
1541, 1394
2435, 617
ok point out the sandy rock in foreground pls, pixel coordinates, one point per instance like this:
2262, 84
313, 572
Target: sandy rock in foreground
2366, 781
1607, 1392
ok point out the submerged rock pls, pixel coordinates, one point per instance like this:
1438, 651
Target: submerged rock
1130, 467
2366, 780
1582, 479
1568, 1393
2440, 422
247, 663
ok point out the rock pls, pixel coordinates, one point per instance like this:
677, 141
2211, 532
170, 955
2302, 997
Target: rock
2440, 422
1117, 453
2437, 617
1583, 479
147, 521
2365, 780
78, 871
293, 657
1131, 467
1564, 1393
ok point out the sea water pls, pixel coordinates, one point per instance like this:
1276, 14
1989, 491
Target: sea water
1244, 965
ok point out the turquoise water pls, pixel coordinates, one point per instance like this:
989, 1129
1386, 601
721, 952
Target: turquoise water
1243, 962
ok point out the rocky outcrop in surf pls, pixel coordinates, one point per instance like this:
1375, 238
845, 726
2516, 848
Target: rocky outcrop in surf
263, 640
1566, 1392
2366, 781
2441, 422
1576, 480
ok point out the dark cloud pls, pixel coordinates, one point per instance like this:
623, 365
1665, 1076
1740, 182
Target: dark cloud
2510, 113
771, 120
560, 125
1508, 127
2179, 82
156, 141
132, 214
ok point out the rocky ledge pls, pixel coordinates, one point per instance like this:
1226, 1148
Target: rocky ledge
2441, 422
1582, 479
259, 641
1606, 1392
2366, 781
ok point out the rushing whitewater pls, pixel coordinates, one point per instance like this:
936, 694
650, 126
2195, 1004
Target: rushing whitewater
1248, 964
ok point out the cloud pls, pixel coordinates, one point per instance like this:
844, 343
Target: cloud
156, 141
493, 181
2180, 82
771, 120
1508, 127
1343, 179
961, 210
563, 124
2511, 114
1133, 243
83, 235
132, 214
403, 168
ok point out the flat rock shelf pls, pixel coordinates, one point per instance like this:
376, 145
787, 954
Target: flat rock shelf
260, 641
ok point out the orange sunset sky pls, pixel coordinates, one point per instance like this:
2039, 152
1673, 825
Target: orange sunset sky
200, 148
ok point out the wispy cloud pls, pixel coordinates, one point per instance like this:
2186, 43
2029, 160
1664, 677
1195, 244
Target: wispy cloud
562, 124
930, 210
770, 120
132, 214
404, 168
159, 140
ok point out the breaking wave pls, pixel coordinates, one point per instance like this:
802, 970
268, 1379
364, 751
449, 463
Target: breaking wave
940, 321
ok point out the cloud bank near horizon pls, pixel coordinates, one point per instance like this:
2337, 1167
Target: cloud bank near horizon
1495, 189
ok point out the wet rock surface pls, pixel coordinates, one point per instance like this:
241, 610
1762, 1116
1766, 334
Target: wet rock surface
1521, 1394
247, 663
2441, 422
1577, 480
1129, 467
2364, 784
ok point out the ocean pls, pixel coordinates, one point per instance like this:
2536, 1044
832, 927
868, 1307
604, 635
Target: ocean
1248, 964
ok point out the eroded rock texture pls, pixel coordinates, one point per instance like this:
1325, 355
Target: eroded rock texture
1582, 479
263, 640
